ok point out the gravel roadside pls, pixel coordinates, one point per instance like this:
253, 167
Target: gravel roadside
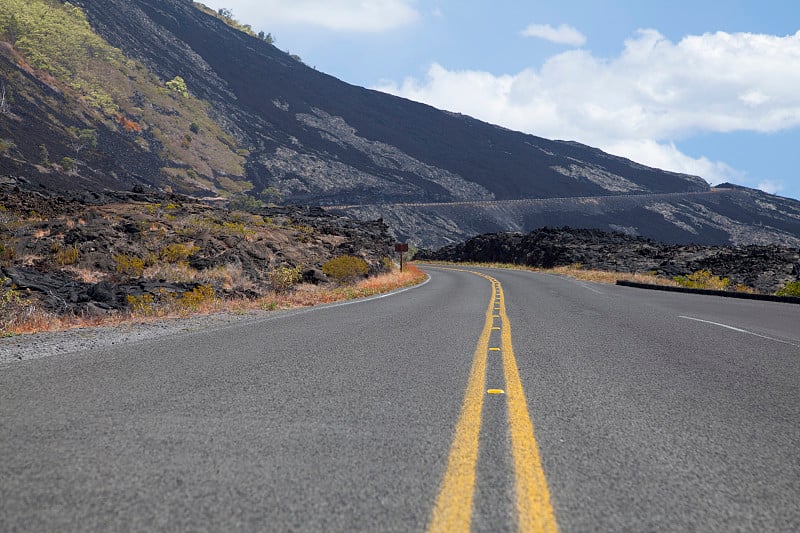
34, 346
26, 347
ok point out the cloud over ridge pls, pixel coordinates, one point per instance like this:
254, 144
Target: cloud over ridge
655, 92
336, 15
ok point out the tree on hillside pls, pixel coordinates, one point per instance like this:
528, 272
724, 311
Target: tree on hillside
224, 12
267, 37
178, 85
4, 109
82, 138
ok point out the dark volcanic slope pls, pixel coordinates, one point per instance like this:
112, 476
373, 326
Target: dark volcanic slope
722, 216
317, 140
322, 140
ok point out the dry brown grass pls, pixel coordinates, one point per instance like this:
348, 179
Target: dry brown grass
31, 319
602, 276
86, 275
576, 271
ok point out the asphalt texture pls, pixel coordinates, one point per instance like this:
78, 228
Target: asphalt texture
652, 412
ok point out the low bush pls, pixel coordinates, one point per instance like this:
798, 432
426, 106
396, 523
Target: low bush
284, 278
6, 145
165, 302
196, 298
129, 265
175, 253
10, 304
790, 289
141, 305
703, 279
345, 268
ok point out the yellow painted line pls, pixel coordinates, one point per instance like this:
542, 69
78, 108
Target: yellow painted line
453, 509
494, 349
534, 511
496, 328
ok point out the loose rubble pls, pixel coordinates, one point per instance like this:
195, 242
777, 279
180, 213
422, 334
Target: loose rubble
88, 254
764, 268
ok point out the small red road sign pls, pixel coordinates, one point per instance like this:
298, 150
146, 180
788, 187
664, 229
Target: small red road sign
401, 247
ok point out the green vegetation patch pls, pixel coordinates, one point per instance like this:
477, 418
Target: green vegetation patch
57, 44
346, 268
703, 279
790, 289
284, 278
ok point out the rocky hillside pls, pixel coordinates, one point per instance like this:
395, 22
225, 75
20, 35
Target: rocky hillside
726, 214
764, 268
95, 253
168, 95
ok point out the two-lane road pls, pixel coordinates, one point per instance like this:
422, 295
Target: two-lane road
650, 411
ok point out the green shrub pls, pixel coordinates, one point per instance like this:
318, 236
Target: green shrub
197, 297
284, 278
44, 155
10, 303
175, 253
178, 85
6, 145
345, 268
141, 305
244, 202
82, 138
703, 279
790, 289
68, 164
129, 265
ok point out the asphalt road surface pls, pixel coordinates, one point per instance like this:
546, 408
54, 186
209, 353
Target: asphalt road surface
499, 402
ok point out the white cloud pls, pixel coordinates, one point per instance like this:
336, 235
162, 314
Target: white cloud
639, 103
667, 156
338, 15
562, 35
770, 186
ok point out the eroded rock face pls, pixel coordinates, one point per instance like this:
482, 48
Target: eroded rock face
765, 268
77, 257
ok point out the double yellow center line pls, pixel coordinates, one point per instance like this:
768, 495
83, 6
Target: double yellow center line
453, 509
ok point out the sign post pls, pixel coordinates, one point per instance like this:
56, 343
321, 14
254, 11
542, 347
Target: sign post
400, 248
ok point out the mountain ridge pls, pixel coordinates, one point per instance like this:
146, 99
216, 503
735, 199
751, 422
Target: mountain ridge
287, 131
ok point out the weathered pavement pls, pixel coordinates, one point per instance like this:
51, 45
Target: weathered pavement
649, 412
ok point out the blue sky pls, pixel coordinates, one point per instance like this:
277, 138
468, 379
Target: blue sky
702, 87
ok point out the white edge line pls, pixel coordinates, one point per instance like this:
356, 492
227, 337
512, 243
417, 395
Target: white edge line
214, 328
740, 330
295, 312
586, 286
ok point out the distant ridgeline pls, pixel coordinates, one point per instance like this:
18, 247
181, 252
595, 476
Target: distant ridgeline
171, 95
